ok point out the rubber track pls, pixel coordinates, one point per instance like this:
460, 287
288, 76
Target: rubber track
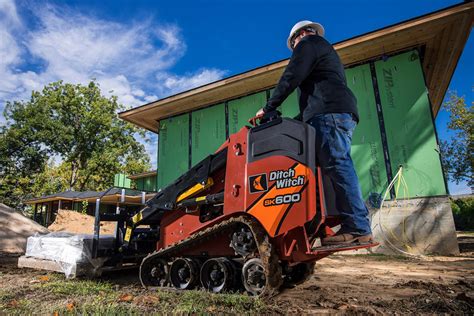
267, 252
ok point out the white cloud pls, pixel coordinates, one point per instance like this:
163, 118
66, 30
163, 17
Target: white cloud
8, 13
9, 50
175, 84
121, 87
130, 60
74, 46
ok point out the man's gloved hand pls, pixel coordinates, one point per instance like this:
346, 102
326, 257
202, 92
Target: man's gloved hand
270, 116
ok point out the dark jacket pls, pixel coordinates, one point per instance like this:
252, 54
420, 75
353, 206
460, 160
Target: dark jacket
317, 71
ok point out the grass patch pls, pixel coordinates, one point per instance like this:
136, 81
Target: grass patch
101, 309
205, 302
6, 296
77, 287
9, 304
56, 295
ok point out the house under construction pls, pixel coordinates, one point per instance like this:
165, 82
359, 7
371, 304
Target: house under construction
399, 74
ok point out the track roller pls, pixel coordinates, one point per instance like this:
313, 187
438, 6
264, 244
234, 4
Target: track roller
218, 275
184, 273
253, 276
243, 242
154, 272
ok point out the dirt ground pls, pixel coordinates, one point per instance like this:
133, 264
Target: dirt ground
378, 284
343, 284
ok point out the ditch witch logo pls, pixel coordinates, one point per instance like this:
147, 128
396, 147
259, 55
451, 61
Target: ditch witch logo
258, 183
283, 178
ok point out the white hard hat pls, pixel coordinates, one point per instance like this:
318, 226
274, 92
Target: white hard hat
303, 24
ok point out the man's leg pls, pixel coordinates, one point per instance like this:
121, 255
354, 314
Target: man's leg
333, 145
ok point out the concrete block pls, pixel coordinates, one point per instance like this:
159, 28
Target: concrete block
415, 226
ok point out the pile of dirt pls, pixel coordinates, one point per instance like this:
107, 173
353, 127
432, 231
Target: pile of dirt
77, 223
15, 229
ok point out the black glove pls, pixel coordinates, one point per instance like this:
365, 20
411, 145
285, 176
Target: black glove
270, 116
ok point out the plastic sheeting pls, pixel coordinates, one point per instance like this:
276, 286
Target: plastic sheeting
72, 252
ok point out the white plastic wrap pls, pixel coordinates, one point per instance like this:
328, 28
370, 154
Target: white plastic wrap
71, 252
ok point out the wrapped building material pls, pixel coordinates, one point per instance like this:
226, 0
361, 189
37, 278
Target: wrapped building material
70, 253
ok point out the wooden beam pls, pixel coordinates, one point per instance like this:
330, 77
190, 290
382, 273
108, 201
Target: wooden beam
36, 211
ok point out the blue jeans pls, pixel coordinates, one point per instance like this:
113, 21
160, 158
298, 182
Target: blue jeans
333, 148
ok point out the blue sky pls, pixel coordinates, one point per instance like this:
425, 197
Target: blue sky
145, 50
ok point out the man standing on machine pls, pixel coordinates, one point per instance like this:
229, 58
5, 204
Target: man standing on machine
330, 107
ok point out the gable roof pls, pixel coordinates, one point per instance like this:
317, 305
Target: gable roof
441, 35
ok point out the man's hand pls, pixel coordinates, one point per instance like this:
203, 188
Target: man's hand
260, 112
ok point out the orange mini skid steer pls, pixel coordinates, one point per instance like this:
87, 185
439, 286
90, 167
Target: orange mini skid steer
245, 217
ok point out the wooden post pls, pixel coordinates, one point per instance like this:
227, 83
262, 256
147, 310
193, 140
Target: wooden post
35, 213
95, 241
43, 214
49, 213
118, 225
122, 196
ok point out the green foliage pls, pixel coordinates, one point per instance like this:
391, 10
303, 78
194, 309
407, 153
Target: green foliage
463, 212
458, 153
85, 204
72, 124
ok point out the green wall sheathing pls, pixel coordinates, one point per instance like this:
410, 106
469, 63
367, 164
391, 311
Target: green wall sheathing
409, 129
290, 107
207, 131
367, 148
121, 180
409, 125
241, 110
149, 183
173, 147
146, 184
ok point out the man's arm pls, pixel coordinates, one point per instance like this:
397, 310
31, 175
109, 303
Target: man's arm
300, 66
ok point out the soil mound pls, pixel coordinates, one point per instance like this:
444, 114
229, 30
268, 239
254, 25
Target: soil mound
77, 223
15, 229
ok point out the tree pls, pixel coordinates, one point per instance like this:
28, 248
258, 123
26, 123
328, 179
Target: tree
66, 137
458, 152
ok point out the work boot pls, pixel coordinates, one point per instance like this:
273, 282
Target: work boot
342, 239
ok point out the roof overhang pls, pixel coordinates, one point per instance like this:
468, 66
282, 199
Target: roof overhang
441, 35
107, 199
143, 175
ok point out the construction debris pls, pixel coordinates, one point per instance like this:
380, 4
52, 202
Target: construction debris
16, 228
64, 252
77, 223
